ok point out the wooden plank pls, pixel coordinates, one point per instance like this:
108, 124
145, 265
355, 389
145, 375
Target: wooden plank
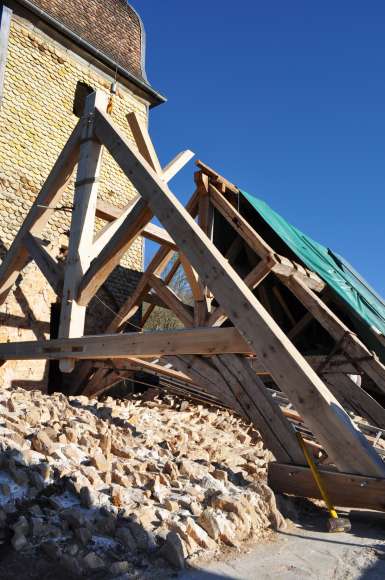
216, 176
168, 296
300, 326
49, 267
176, 164
239, 223
111, 213
108, 211
282, 303
344, 443
350, 343
253, 278
206, 376
110, 256
158, 235
345, 389
344, 489
38, 216
143, 141
259, 407
172, 300
191, 207
72, 316
138, 364
206, 341
103, 236
204, 298
192, 278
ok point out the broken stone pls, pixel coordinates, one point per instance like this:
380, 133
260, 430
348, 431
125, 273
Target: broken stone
220, 474
126, 538
37, 527
170, 505
21, 526
172, 551
93, 562
5, 490
199, 535
84, 535
72, 453
100, 462
119, 567
87, 497
42, 442
19, 541
217, 526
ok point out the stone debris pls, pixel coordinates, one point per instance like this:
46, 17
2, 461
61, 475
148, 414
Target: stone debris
110, 487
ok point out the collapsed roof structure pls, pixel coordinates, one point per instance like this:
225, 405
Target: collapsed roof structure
282, 330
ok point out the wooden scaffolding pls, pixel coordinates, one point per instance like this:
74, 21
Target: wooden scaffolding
230, 341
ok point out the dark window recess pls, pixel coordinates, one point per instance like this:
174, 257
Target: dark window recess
81, 93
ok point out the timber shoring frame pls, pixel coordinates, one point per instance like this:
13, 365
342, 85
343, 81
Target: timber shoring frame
210, 275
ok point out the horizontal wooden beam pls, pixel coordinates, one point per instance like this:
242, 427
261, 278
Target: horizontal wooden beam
108, 211
158, 235
192, 341
344, 489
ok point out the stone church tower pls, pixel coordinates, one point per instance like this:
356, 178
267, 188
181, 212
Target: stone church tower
53, 53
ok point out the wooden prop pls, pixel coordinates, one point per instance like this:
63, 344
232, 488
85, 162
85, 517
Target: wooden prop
210, 275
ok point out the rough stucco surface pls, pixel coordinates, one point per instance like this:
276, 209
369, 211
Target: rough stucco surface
111, 26
36, 119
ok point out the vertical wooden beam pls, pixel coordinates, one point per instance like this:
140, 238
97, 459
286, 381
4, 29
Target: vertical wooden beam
82, 225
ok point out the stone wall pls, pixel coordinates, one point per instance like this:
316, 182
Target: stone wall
36, 119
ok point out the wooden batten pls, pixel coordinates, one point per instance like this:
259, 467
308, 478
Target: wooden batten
72, 316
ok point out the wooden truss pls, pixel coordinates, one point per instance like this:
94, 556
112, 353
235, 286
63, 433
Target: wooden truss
230, 339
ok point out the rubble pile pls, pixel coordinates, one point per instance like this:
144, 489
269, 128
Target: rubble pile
120, 484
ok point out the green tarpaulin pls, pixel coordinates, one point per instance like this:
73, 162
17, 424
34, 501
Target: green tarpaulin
333, 269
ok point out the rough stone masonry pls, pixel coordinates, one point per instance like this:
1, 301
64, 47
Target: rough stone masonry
123, 486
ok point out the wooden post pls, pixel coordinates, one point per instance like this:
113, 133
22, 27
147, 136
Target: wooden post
82, 225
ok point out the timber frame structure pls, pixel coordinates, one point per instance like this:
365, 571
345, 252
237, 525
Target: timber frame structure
230, 341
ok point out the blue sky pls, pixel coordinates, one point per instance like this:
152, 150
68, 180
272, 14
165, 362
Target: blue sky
286, 98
